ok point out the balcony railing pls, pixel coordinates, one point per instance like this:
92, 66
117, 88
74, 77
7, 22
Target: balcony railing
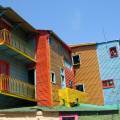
69, 97
6, 37
17, 88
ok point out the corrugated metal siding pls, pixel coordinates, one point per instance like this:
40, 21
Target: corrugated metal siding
56, 62
20, 36
88, 73
18, 69
43, 85
69, 75
109, 69
57, 55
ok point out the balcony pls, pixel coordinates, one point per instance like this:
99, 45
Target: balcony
16, 88
69, 97
18, 48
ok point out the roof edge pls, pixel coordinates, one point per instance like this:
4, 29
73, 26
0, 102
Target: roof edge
82, 44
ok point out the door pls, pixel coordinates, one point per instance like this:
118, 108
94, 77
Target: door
31, 76
4, 76
68, 118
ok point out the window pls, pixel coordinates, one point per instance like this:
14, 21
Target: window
71, 84
69, 117
53, 78
108, 83
76, 60
62, 75
113, 52
80, 87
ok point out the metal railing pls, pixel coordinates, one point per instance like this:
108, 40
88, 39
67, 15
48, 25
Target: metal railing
16, 87
6, 37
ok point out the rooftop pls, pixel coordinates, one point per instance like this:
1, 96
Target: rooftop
15, 18
82, 107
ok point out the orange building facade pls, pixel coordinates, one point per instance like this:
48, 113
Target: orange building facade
87, 72
53, 69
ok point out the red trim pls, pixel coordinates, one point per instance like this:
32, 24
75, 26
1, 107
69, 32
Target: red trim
106, 83
4, 70
7, 71
56, 37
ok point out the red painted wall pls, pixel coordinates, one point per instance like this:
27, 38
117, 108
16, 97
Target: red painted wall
43, 84
69, 75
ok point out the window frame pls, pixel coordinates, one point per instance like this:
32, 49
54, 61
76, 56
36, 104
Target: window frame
73, 60
107, 82
112, 56
62, 75
83, 86
52, 72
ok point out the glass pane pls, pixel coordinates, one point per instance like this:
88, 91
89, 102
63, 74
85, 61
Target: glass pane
80, 87
76, 59
53, 77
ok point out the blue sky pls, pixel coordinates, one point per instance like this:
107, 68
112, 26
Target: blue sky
75, 21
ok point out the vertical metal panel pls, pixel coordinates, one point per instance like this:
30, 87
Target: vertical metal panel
69, 75
18, 69
57, 55
43, 85
88, 73
110, 69
19, 36
56, 63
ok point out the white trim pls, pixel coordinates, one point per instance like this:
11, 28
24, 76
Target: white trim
62, 75
79, 59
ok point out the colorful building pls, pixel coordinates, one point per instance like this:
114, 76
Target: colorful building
34, 65
54, 68
83, 112
17, 60
109, 62
97, 69
87, 74
39, 70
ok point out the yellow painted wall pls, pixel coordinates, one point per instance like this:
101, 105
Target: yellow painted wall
57, 55
88, 73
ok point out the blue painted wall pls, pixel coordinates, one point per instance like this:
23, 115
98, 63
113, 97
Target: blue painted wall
109, 69
18, 69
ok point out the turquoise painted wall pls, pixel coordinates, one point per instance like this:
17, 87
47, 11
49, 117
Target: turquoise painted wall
18, 69
109, 69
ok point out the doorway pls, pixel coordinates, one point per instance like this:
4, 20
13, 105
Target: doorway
68, 118
31, 76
